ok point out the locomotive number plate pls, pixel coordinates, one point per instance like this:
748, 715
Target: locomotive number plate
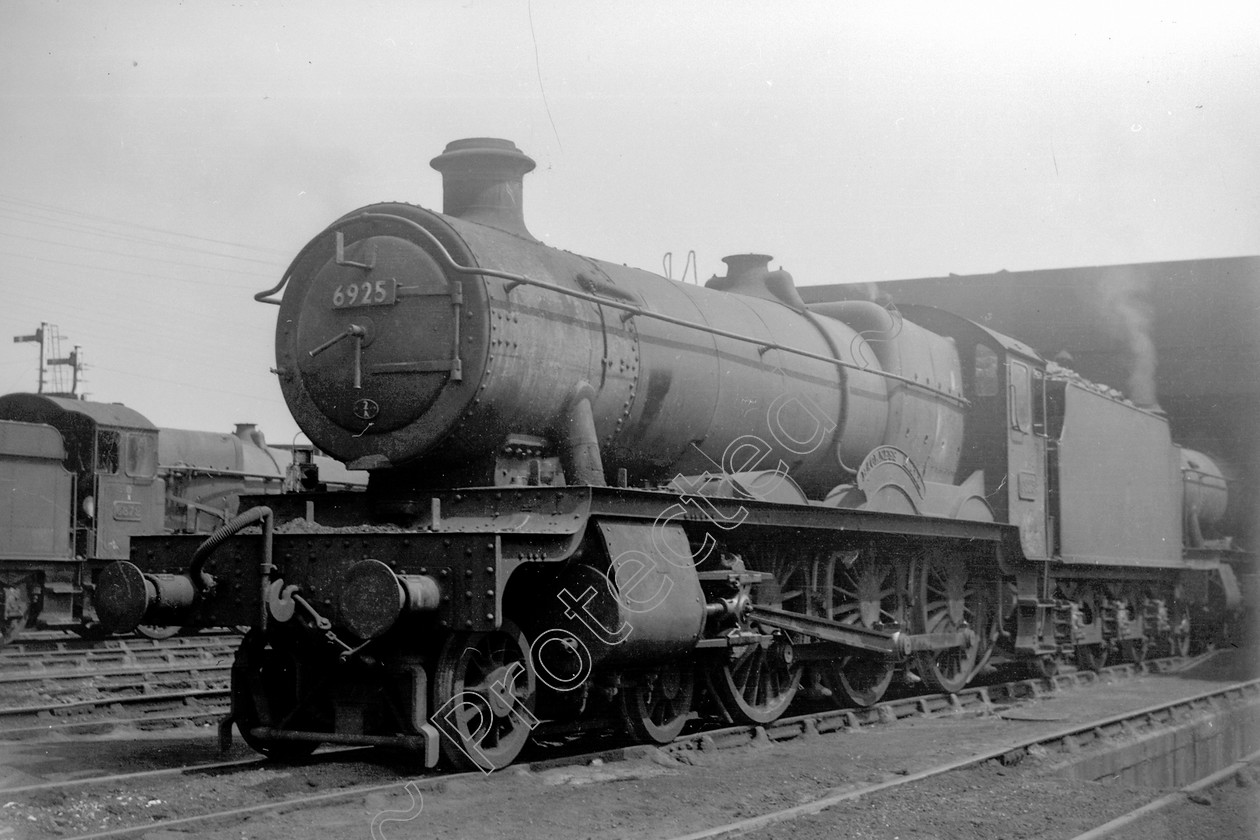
128, 512
365, 293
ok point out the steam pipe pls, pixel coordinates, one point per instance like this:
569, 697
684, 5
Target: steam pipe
582, 459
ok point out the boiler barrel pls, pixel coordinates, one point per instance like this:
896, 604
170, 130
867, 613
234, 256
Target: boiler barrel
1206, 493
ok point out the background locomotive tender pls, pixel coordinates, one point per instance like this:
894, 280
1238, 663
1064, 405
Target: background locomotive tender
598, 491
78, 479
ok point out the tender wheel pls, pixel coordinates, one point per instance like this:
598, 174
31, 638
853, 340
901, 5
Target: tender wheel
12, 627
1089, 603
1212, 626
656, 704
483, 698
158, 632
1178, 639
265, 693
1091, 657
1134, 650
1043, 666
866, 593
946, 601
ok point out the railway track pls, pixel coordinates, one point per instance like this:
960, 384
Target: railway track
1069, 740
983, 699
81, 702
123, 678
84, 699
54, 684
1132, 823
68, 652
341, 781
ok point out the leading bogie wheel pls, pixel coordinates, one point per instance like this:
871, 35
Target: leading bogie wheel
265, 692
483, 698
656, 704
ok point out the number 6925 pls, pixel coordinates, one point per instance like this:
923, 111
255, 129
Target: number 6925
366, 293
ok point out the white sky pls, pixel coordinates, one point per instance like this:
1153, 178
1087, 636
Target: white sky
160, 163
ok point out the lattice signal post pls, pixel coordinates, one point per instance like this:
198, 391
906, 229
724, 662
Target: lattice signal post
48, 337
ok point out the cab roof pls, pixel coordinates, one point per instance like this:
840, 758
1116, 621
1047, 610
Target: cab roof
41, 408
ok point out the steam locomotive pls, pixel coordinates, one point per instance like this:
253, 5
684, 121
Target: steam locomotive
596, 492
78, 479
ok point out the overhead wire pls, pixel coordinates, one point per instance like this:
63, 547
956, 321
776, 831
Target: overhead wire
129, 272
81, 214
115, 312
75, 228
117, 319
200, 386
169, 339
147, 258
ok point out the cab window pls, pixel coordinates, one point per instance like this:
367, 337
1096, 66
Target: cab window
107, 452
986, 371
1021, 405
141, 456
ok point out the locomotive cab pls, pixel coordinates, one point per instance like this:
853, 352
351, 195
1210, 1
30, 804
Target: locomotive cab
1007, 435
111, 451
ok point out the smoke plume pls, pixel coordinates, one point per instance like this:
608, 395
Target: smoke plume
1124, 305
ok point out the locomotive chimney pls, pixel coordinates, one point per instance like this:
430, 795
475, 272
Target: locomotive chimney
481, 182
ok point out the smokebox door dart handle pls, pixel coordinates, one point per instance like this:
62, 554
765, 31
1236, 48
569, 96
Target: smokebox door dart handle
352, 331
356, 332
